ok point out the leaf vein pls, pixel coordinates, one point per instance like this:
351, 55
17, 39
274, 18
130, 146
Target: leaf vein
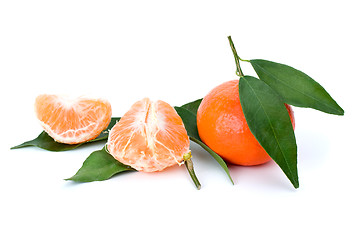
272, 128
294, 89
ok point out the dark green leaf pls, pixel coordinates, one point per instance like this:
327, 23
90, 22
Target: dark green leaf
190, 121
192, 106
295, 87
99, 166
46, 142
269, 121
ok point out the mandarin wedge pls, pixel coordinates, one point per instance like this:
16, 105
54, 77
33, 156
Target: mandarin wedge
149, 137
72, 121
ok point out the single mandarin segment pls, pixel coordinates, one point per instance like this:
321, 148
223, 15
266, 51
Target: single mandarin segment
223, 127
149, 137
72, 120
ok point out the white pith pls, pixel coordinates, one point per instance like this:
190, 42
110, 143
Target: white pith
66, 139
70, 135
152, 123
148, 121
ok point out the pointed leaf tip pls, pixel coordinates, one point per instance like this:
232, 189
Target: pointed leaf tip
269, 121
99, 166
295, 87
46, 142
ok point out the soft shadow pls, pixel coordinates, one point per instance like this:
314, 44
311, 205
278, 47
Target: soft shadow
313, 149
70, 183
265, 176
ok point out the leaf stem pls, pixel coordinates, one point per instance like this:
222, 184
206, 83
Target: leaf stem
239, 72
189, 165
214, 155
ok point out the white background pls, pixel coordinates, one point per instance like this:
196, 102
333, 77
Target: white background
177, 52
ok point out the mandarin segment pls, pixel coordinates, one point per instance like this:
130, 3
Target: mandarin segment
223, 127
72, 121
149, 137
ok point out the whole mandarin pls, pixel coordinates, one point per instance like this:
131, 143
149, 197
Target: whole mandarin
223, 127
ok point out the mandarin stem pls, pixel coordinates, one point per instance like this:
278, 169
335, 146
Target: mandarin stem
189, 166
236, 57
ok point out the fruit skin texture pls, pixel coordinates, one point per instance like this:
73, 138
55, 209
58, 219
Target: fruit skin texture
72, 120
223, 127
149, 137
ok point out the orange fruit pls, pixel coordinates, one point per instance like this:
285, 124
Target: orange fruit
149, 137
223, 127
72, 121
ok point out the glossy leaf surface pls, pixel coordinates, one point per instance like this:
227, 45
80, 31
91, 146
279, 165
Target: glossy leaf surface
295, 87
189, 121
193, 106
99, 166
269, 121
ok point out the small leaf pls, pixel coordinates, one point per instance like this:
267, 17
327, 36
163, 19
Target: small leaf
46, 142
295, 87
99, 166
192, 106
269, 121
190, 121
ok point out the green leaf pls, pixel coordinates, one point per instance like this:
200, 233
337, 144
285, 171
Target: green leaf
295, 87
46, 142
269, 121
190, 121
192, 106
220, 160
99, 166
